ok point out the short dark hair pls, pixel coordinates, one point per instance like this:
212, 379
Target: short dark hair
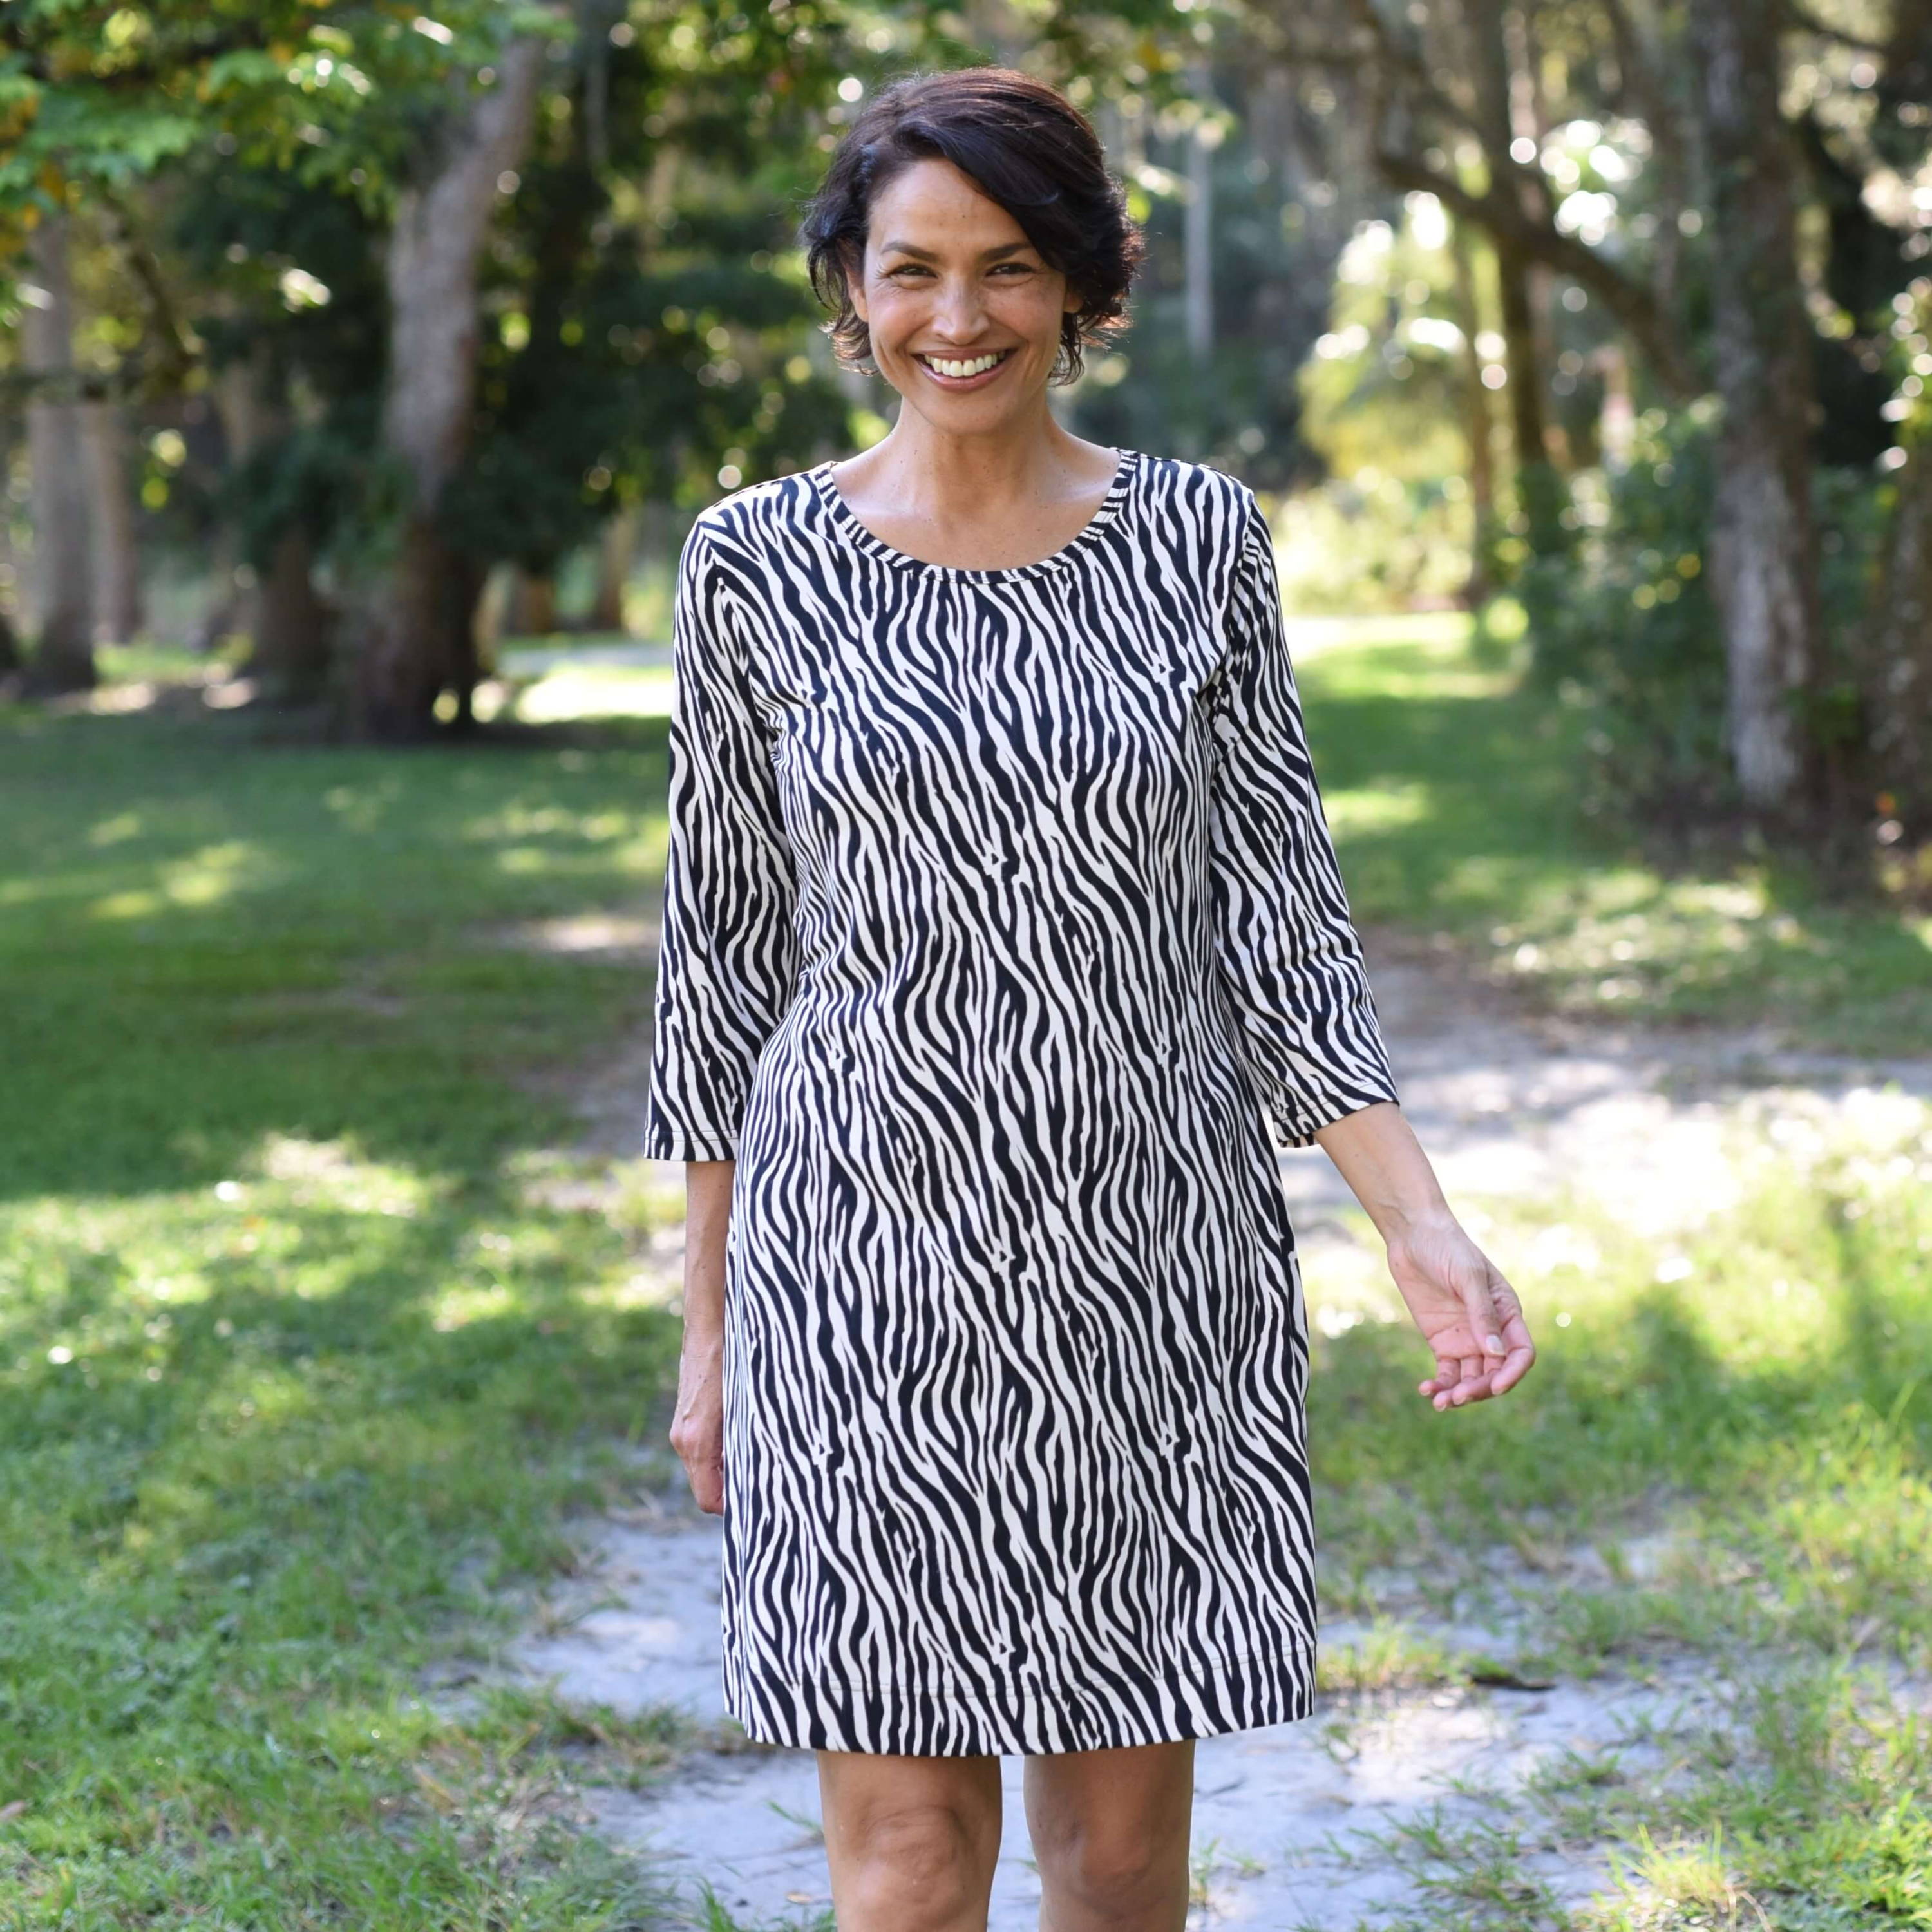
1025, 146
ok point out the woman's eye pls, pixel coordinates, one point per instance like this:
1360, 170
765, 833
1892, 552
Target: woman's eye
919, 268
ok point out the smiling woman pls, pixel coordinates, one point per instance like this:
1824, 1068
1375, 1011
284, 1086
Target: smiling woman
1001, 920
1022, 148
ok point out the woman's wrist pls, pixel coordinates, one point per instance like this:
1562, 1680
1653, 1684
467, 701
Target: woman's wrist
1400, 1221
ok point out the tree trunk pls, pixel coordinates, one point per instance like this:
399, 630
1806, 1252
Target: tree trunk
1896, 676
1478, 422
533, 603
615, 555
406, 659
247, 423
108, 450
1539, 488
1198, 234
1899, 693
463, 592
293, 626
1763, 542
63, 658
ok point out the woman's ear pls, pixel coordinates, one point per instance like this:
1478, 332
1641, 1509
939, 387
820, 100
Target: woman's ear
855, 281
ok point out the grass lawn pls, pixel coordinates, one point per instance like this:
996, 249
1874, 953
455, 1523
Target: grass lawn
1455, 798
304, 1357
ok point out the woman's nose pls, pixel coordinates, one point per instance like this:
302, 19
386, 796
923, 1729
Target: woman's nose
958, 310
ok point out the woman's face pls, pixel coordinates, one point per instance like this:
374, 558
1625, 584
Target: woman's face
964, 314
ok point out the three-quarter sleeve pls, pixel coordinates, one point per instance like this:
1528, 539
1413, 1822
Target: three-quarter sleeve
1289, 958
728, 948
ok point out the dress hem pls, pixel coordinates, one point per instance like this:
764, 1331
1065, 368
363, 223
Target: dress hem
1248, 1691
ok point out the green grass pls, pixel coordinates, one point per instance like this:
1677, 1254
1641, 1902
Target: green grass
1454, 799
1801, 1808
296, 1368
1757, 1426
303, 1364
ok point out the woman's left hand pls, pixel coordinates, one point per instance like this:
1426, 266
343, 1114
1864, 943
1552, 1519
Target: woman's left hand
1467, 1313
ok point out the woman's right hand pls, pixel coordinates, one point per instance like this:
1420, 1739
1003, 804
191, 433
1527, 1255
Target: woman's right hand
697, 1427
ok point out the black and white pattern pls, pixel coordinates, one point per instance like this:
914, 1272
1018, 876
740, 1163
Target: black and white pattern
1001, 920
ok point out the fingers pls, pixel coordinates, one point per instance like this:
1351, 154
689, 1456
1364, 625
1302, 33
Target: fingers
1521, 1358
1479, 1305
1511, 1354
707, 1484
1459, 1381
701, 1451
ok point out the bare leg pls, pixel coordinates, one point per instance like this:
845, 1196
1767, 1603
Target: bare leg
911, 1841
1110, 1831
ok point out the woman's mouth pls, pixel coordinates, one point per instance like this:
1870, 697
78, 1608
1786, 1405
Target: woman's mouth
964, 372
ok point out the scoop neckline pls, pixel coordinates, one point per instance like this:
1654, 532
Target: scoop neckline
848, 520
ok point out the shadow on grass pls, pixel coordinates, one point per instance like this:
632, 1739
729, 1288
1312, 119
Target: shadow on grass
1789, 1436
208, 941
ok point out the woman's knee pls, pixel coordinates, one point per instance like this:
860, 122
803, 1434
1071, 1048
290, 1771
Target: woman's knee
911, 1859
1114, 1870
922, 1854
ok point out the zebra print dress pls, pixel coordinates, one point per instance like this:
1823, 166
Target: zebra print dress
1001, 922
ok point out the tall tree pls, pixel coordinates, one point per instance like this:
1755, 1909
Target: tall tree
1540, 488
109, 448
1901, 678
1764, 550
415, 640
63, 655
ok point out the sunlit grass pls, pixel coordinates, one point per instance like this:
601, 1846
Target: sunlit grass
299, 1367
1456, 808
1756, 1391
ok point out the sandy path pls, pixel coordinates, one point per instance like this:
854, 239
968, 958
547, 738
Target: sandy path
1661, 1128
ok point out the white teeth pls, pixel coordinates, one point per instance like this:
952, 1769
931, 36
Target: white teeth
973, 368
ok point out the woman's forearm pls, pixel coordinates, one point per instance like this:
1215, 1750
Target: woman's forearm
1376, 1153
707, 1213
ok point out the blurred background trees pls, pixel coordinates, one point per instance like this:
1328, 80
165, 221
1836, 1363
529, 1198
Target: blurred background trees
354, 331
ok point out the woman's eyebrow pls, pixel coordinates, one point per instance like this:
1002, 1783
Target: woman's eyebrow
927, 255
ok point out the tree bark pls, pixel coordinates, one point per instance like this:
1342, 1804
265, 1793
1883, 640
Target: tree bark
1897, 676
1539, 491
63, 656
1198, 234
1478, 423
616, 553
108, 449
293, 624
1899, 696
411, 649
243, 411
1763, 541
533, 605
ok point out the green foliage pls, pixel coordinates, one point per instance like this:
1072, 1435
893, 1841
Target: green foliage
1630, 622
1239, 408
637, 348
99, 93
1374, 543
1382, 391
1625, 626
